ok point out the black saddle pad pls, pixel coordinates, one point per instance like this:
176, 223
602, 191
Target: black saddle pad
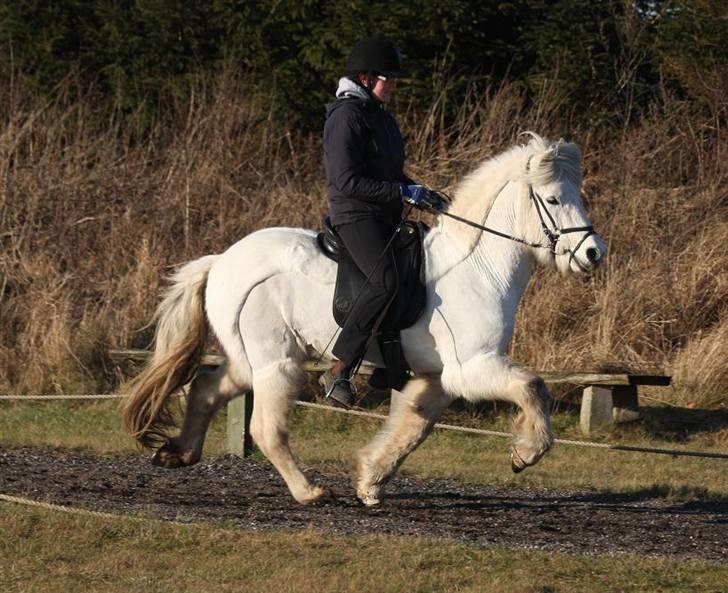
411, 296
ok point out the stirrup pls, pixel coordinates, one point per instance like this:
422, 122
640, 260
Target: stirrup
337, 389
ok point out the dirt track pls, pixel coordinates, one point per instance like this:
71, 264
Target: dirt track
254, 497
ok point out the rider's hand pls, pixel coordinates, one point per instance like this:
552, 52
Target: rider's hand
436, 201
417, 195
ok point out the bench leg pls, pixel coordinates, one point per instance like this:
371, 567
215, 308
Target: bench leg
596, 409
626, 405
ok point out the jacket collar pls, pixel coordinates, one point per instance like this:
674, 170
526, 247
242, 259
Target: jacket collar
350, 89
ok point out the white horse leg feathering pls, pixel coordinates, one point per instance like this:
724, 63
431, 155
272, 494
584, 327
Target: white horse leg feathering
268, 301
412, 415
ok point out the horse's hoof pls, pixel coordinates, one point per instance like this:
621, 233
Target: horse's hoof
368, 500
317, 495
517, 464
170, 457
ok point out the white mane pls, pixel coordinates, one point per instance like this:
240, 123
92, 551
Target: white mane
537, 163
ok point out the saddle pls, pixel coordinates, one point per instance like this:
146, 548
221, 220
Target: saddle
407, 305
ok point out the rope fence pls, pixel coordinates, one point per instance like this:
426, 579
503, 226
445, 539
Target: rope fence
439, 425
49, 506
495, 433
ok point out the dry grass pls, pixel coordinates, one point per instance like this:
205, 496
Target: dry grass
92, 214
48, 552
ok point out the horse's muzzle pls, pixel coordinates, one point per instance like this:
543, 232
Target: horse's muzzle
593, 255
588, 255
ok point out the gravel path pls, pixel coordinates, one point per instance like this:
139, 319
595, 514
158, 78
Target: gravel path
253, 496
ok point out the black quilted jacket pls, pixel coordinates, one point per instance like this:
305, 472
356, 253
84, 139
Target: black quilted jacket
364, 159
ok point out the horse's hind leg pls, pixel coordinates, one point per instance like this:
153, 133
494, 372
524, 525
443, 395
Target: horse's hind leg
210, 390
411, 418
276, 388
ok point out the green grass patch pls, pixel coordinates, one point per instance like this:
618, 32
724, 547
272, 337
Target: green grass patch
45, 551
91, 425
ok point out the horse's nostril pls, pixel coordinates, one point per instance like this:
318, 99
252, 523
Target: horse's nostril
592, 254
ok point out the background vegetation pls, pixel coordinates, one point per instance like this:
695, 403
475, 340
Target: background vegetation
135, 135
607, 58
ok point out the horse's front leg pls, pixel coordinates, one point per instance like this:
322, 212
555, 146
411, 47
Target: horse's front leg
492, 376
412, 415
533, 436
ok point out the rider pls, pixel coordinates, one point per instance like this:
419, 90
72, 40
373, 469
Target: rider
366, 184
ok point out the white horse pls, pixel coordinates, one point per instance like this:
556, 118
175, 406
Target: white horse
268, 300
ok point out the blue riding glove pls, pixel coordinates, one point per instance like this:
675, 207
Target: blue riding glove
417, 195
436, 201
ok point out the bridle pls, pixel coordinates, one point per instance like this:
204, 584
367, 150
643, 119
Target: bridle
554, 235
552, 232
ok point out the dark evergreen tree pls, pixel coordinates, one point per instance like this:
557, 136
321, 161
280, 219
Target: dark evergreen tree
607, 58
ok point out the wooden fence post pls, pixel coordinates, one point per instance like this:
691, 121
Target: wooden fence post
239, 411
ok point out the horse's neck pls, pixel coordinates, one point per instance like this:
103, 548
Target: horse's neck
505, 267
478, 196
500, 267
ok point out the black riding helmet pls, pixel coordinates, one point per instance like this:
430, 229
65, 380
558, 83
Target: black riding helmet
375, 56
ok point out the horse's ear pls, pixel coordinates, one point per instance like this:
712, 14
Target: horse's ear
528, 165
531, 136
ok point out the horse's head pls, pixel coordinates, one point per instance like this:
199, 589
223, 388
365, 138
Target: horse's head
556, 216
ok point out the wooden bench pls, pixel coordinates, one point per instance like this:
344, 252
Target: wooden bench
607, 398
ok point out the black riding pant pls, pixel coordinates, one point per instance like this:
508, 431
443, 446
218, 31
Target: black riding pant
366, 241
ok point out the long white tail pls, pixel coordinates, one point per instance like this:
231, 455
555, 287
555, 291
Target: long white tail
179, 343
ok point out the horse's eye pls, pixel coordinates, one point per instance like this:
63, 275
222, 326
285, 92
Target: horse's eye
552, 200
